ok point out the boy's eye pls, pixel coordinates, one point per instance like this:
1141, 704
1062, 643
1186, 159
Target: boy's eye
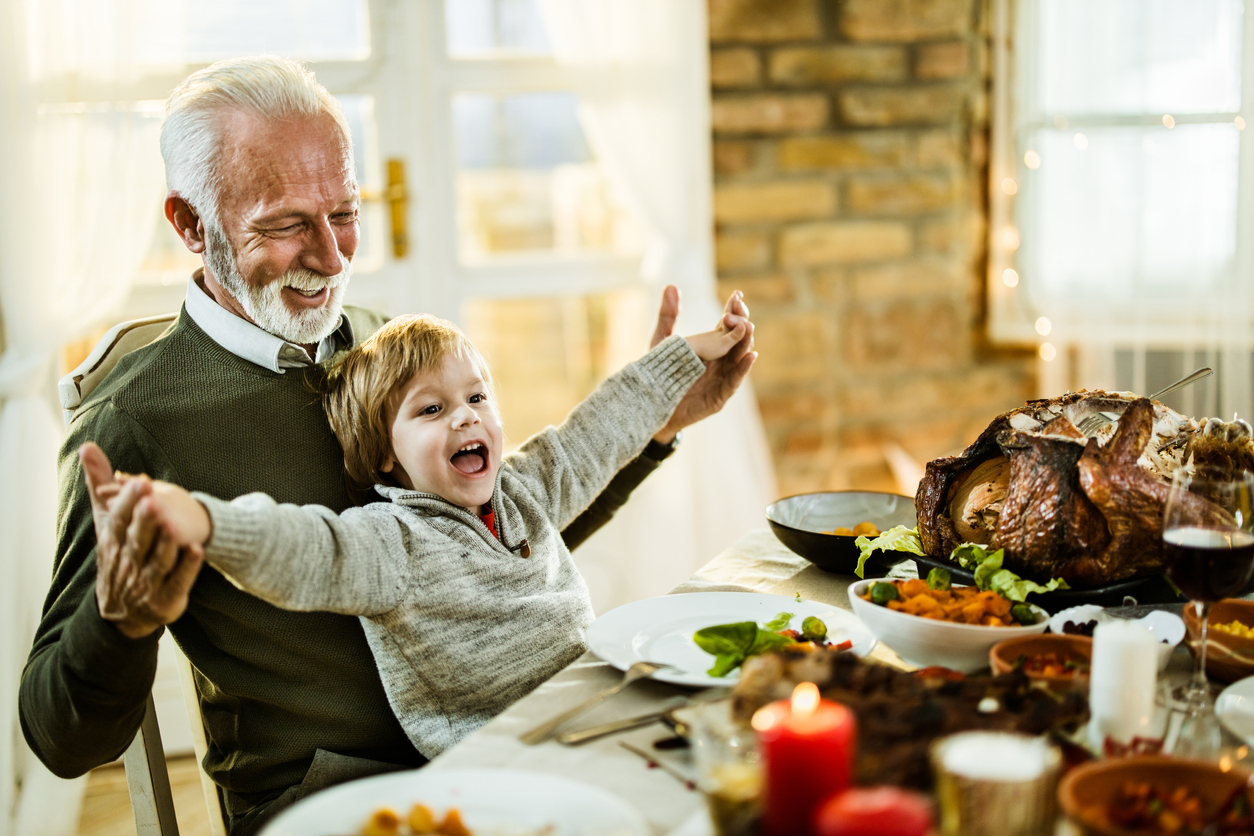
429, 410
478, 398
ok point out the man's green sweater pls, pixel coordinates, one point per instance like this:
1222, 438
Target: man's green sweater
275, 686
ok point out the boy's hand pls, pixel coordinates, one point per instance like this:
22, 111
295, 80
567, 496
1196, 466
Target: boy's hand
723, 375
145, 566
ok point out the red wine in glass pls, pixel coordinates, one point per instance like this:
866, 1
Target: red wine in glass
1208, 564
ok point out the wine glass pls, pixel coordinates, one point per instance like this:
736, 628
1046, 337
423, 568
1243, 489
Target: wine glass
1208, 547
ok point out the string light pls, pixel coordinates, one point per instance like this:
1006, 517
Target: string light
1169, 120
1042, 326
1010, 238
1010, 278
1240, 123
1033, 160
1048, 352
1081, 141
1009, 186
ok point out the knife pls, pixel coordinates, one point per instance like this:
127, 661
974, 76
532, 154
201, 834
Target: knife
574, 738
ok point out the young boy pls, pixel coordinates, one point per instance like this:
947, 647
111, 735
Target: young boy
467, 594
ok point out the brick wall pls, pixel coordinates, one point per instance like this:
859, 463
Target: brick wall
850, 143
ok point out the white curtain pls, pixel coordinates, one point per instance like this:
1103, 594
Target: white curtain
645, 106
80, 190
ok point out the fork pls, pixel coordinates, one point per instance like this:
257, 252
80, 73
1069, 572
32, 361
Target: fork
1090, 425
542, 732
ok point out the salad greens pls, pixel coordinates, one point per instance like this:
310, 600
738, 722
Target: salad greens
990, 575
896, 539
731, 644
986, 565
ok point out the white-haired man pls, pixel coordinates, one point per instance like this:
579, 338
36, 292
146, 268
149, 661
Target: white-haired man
261, 183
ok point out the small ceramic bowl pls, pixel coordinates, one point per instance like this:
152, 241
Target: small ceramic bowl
801, 523
1167, 627
1228, 657
925, 641
1085, 615
1004, 655
1086, 790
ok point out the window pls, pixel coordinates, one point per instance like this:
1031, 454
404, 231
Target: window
1117, 196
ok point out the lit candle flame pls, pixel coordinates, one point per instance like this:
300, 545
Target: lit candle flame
805, 698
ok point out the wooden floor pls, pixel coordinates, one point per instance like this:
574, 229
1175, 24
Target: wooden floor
107, 807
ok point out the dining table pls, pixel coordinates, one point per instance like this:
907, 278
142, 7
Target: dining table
659, 783
667, 796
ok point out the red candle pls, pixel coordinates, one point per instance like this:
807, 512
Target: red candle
807, 744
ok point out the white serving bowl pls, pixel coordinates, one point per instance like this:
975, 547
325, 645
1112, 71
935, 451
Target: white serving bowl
926, 641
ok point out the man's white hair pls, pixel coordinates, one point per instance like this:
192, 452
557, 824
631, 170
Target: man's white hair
268, 86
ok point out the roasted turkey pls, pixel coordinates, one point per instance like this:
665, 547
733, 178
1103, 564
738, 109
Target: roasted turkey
1085, 510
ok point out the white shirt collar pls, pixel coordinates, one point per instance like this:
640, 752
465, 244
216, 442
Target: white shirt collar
249, 342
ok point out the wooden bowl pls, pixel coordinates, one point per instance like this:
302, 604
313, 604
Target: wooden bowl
1003, 655
1086, 790
1228, 657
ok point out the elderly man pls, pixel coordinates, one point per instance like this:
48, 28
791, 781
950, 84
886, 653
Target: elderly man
261, 184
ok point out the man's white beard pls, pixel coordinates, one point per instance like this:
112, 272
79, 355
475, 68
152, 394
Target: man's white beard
264, 305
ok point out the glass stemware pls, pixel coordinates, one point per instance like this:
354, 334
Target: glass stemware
1208, 547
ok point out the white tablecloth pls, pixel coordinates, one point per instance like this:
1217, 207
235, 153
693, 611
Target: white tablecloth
756, 563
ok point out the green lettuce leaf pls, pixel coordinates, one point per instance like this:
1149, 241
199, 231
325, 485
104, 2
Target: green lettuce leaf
896, 539
731, 644
727, 639
989, 573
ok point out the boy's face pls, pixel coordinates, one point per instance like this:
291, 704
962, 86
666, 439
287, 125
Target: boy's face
446, 435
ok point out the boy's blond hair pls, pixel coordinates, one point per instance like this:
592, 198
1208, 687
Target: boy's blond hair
364, 385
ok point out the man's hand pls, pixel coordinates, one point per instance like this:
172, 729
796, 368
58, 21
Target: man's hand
723, 375
143, 577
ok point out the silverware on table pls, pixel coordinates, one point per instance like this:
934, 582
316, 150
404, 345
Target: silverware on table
660, 764
574, 738
542, 732
1090, 425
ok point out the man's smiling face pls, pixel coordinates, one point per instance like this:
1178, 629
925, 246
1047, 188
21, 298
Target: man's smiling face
446, 434
288, 212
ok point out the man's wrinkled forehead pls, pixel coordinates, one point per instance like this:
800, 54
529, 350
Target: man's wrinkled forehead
277, 152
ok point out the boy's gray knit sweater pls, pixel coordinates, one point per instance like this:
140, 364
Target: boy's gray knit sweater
459, 623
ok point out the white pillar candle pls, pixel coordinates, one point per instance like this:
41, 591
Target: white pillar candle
1122, 682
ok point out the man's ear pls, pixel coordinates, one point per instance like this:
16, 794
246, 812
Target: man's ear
186, 222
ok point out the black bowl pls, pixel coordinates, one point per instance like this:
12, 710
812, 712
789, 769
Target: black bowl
799, 522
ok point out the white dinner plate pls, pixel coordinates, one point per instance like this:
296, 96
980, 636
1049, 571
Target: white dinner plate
492, 802
660, 630
1235, 708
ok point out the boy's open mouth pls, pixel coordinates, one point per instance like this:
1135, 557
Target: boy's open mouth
473, 458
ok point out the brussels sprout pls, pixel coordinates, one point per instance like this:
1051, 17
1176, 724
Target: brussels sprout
882, 593
939, 578
813, 630
1023, 614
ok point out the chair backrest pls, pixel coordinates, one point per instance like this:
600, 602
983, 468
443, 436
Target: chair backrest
147, 779
119, 340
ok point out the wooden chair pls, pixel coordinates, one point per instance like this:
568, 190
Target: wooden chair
144, 760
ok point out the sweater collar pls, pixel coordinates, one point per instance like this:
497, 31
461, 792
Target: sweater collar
249, 342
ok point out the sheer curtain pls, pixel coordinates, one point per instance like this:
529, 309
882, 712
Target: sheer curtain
77, 169
645, 108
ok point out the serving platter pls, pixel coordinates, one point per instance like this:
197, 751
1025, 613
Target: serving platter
509, 802
1150, 590
660, 630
